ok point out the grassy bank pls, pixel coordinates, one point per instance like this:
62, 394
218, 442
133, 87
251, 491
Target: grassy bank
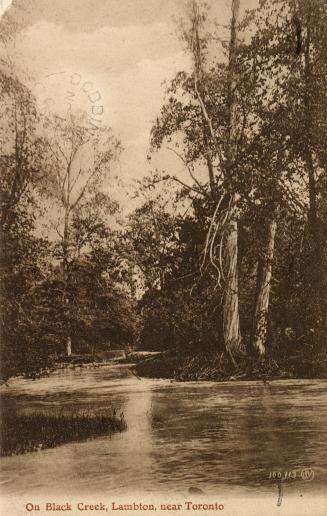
212, 366
27, 433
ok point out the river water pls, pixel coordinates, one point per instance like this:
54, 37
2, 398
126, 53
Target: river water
217, 437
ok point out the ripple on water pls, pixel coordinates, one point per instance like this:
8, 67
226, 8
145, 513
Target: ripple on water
219, 436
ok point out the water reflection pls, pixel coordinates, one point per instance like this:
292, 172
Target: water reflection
215, 437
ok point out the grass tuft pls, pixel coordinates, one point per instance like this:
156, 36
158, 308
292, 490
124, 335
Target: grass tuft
28, 433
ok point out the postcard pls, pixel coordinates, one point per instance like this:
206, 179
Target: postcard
163, 259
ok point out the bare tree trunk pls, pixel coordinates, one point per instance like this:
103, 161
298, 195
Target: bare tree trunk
65, 244
232, 336
65, 248
69, 346
211, 178
209, 163
231, 323
260, 322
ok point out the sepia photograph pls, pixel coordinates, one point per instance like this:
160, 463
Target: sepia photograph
163, 257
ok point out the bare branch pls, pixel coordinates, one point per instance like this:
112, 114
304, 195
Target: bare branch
189, 170
210, 228
187, 186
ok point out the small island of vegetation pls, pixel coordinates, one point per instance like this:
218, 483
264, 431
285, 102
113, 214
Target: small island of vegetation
35, 432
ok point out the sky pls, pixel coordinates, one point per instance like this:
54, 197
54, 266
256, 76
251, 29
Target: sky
119, 53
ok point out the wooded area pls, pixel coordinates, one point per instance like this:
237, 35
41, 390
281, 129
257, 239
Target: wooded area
226, 273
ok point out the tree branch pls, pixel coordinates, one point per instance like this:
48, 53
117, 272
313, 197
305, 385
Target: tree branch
189, 170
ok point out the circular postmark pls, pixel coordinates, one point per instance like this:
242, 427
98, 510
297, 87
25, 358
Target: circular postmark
68, 94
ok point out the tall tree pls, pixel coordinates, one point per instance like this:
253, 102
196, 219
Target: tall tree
78, 161
211, 123
231, 322
23, 254
286, 62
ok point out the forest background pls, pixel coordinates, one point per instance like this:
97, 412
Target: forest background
220, 260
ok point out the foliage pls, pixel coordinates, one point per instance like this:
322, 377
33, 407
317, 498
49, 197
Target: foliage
279, 174
82, 282
249, 127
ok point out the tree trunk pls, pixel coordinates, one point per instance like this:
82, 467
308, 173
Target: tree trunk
211, 178
69, 346
65, 248
231, 322
260, 322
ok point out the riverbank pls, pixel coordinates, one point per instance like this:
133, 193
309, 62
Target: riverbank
28, 433
75, 361
86, 361
212, 366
